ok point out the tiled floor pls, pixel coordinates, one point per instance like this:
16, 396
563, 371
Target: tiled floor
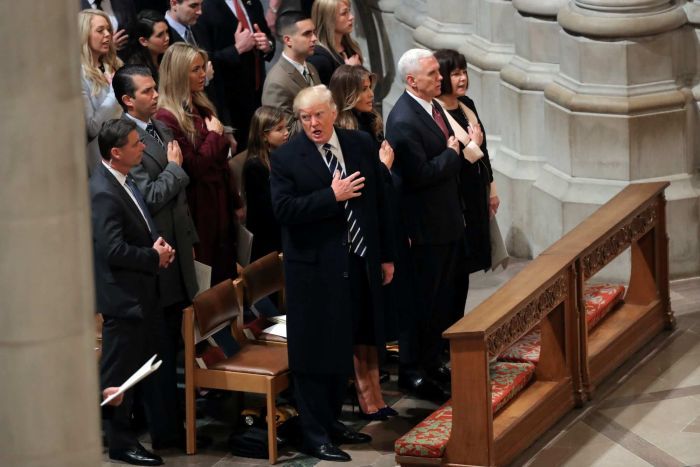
646, 413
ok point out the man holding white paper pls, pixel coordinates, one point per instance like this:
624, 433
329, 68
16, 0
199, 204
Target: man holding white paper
128, 254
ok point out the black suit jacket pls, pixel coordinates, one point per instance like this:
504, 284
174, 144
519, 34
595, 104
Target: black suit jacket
315, 246
233, 88
126, 265
124, 10
429, 174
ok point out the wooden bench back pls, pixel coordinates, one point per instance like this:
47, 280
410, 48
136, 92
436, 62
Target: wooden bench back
548, 293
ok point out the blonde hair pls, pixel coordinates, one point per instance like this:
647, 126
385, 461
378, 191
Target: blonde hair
323, 14
174, 87
110, 61
313, 95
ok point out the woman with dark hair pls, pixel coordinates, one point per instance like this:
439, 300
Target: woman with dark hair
148, 41
334, 22
352, 89
268, 131
476, 183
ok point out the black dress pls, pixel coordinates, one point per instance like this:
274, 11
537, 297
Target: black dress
474, 183
325, 63
398, 295
260, 217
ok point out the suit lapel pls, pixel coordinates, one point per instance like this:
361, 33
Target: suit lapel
423, 115
293, 73
121, 192
153, 149
350, 155
313, 160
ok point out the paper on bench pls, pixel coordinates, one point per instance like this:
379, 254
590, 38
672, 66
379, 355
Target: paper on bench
279, 329
147, 368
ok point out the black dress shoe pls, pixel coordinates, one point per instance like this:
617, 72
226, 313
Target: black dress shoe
388, 411
441, 374
424, 388
135, 456
329, 452
351, 437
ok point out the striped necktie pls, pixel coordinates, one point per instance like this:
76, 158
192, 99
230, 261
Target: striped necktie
151, 130
357, 241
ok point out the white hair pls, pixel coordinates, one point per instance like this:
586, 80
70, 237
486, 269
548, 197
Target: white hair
410, 62
313, 95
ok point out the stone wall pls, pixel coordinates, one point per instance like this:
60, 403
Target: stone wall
578, 98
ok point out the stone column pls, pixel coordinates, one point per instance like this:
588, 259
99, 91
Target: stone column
49, 391
407, 16
618, 112
519, 158
488, 50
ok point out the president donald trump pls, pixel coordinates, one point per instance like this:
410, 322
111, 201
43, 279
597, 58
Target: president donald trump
327, 195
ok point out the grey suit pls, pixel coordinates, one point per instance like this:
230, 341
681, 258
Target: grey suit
163, 186
282, 85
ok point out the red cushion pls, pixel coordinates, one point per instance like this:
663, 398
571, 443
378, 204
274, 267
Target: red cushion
429, 438
599, 299
507, 379
527, 349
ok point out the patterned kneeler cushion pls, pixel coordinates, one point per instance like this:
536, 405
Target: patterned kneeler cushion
429, 438
599, 299
527, 349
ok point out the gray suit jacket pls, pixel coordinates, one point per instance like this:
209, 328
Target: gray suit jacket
283, 83
163, 184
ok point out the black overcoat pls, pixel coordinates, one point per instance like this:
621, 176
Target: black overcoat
315, 247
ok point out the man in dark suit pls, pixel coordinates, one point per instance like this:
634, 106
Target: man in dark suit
162, 181
427, 163
236, 36
337, 255
127, 261
292, 72
182, 15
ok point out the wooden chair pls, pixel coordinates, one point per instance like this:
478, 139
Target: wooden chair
262, 278
254, 368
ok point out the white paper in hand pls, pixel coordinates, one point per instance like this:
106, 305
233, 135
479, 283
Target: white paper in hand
147, 368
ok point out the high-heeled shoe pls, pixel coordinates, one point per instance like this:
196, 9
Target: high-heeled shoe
388, 411
373, 416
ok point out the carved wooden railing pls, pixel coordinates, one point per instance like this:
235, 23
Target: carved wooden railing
548, 293
634, 219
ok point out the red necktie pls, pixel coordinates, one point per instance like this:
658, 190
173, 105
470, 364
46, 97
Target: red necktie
437, 116
246, 25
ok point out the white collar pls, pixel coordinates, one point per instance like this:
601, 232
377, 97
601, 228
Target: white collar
427, 106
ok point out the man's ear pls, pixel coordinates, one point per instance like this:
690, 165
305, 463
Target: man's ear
287, 40
115, 153
128, 101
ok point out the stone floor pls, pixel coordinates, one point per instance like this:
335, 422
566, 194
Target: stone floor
646, 413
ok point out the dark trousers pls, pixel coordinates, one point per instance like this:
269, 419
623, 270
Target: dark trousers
320, 401
442, 284
124, 349
127, 344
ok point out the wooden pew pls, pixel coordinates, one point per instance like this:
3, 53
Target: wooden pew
636, 219
548, 293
